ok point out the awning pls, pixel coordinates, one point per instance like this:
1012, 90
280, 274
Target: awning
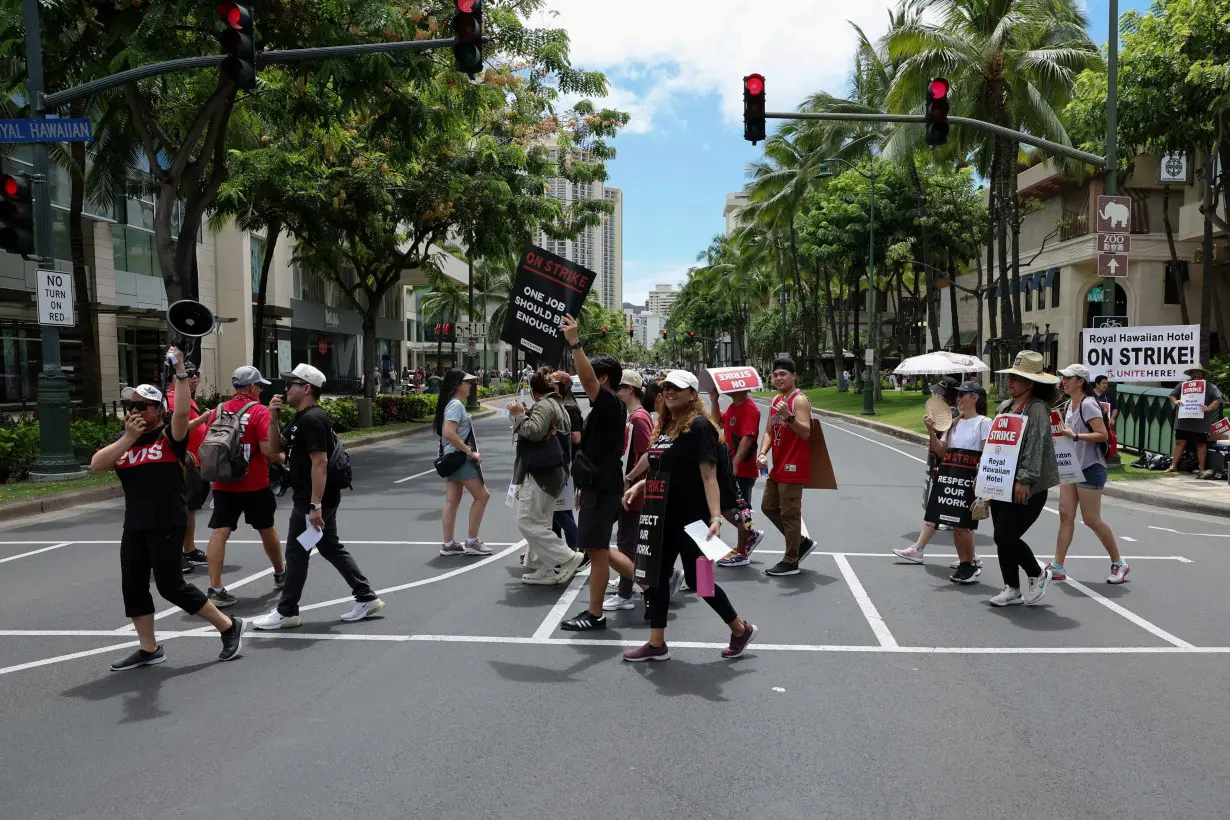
1050, 277
1027, 283
967, 338
1050, 337
1038, 279
986, 347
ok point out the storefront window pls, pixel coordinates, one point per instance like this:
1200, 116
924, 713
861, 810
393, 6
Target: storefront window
21, 360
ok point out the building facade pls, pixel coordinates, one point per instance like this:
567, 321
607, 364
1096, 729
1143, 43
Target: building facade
661, 299
735, 203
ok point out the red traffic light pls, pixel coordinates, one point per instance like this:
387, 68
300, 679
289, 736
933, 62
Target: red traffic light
465, 6
939, 88
10, 187
234, 15
691, 333
754, 84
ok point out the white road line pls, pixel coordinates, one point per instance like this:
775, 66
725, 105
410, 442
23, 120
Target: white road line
1127, 538
70, 657
938, 557
1198, 534
451, 574
827, 423
127, 628
1149, 627
560, 609
416, 475
235, 541
36, 552
870, 612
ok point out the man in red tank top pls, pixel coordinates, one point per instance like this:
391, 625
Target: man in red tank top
787, 437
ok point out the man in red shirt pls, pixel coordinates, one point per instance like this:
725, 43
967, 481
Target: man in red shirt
786, 435
740, 426
251, 495
198, 492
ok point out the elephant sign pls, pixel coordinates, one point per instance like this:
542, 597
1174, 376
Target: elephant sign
1114, 214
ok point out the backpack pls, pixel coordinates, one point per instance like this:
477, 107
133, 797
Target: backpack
1103, 446
341, 473
221, 453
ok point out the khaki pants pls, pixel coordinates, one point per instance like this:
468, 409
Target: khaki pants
535, 507
783, 505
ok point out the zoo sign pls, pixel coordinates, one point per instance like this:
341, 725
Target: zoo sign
1114, 214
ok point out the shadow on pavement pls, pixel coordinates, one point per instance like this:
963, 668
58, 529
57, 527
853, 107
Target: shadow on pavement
944, 538
943, 584
704, 680
1042, 618
140, 689
545, 673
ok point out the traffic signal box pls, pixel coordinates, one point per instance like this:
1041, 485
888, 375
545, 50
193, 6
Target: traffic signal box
16, 214
753, 108
468, 31
239, 45
937, 112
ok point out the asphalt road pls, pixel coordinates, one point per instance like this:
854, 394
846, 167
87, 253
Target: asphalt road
874, 690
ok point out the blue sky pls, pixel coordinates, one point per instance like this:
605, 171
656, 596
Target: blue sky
681, 81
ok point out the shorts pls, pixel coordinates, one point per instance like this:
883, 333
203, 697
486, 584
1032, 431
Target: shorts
466, 472
1095, 477
257, 506
1191, 436
197, 496
598, 514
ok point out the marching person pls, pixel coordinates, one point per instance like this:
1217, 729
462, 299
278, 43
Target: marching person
563, 522
1031, 392
148, 459
1085, 425
251, 495
685, 445
456, 432
550, 558
597, 470
307, 446
1196, 431
969, 432
640, 425
786, 435
740, 427
198, 490
1102, 392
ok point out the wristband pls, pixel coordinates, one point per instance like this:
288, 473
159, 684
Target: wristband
576, 346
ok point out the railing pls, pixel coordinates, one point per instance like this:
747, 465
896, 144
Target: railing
1146, 419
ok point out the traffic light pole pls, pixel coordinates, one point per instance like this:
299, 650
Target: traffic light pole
1111, 179
55, 460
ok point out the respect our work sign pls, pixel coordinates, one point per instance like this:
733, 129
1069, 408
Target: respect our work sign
546, 287
997, 468
952, 492
1141, 354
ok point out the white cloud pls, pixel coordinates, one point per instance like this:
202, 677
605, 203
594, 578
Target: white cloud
640, 276
708, 47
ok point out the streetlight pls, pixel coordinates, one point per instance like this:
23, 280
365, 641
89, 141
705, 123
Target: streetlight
869, 360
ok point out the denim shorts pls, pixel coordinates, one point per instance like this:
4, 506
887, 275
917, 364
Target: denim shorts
1095, 477
465, 472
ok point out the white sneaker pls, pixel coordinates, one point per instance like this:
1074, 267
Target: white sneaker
613, 602
276, 620
569, 568
541, 577
1118, 573
1008, 597
957, 563
912, 554
1037, 586
363, 609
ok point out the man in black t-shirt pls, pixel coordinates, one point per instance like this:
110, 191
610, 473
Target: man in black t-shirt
308, 442
597, 469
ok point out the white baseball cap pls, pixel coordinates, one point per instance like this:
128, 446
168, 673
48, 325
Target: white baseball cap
246, 375
682, 379
1077, 370
142, 391
305, 373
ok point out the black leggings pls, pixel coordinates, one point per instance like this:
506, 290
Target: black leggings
1011, 522
158, 551
676, 543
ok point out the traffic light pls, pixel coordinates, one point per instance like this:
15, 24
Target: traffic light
17, 214
468, 31
239, 45
665, 333
937, 112
631, 333
691, 334
604, 332
753, 108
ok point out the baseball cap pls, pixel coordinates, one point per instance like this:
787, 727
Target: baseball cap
1078, 370
246, 375
142, 392
682, 379
305, 373
970, 387
466, 377
633, 379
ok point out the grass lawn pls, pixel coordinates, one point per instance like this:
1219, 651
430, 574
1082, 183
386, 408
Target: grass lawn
1129, 473
384, 428
23, 490
903, 409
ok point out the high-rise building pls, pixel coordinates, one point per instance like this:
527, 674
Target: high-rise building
734, 204
601, 248
661, 299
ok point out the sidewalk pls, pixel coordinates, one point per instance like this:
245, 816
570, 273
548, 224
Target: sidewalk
1172, 492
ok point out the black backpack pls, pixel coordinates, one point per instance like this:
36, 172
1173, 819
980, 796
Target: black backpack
341, 472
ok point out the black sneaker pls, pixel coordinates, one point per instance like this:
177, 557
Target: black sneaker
232, 640
221, 598
197, 558
967, 573
140, 658
279, 580
805, 546
782, 568
584, 622
185, 566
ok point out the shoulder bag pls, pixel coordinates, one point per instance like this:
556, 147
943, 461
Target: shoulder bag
446, 465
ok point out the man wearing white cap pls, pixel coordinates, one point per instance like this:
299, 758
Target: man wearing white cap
249, 495
308, 445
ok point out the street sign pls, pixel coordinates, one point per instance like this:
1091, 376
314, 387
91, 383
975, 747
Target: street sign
1110, 321
471, 328
1114, 214
49, 130
783, 355
55, 299
472, 346
1174, 169
1114, 243
1114, 265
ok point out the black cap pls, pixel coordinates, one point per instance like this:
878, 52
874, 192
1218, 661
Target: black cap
971, 387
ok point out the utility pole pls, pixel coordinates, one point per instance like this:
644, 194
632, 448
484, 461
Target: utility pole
472, 402
1112, 137
56, 460
871, 372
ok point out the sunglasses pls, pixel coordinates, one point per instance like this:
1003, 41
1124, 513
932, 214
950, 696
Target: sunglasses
139, 407
292, 383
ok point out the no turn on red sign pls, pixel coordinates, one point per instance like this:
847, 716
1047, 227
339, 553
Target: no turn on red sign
55, 299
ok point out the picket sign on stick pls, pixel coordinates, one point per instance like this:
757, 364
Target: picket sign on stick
1065, 457
1191, 400
997, 468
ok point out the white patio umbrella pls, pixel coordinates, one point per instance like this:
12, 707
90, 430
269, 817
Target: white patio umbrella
940, 362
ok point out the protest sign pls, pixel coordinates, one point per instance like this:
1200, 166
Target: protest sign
1065, 457
652, 523
730, 380
1221, 429
997, 467
1141, 354
821, 476
952, 492
546, 287
1191, 400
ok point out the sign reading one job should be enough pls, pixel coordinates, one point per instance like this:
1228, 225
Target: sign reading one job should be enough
546, 287
55, 299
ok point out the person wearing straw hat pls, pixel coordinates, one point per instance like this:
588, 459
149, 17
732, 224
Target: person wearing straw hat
1031, 391
1196, 431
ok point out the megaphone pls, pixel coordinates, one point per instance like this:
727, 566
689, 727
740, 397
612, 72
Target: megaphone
190, 320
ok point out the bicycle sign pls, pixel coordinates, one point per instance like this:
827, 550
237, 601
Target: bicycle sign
1111, 321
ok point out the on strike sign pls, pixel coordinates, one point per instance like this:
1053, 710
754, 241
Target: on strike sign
730, 380
547, 287
952, 492
1191, 400
997, 468
1070, 471
1141, 354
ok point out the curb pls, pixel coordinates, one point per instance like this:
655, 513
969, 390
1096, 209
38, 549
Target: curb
1112, 490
